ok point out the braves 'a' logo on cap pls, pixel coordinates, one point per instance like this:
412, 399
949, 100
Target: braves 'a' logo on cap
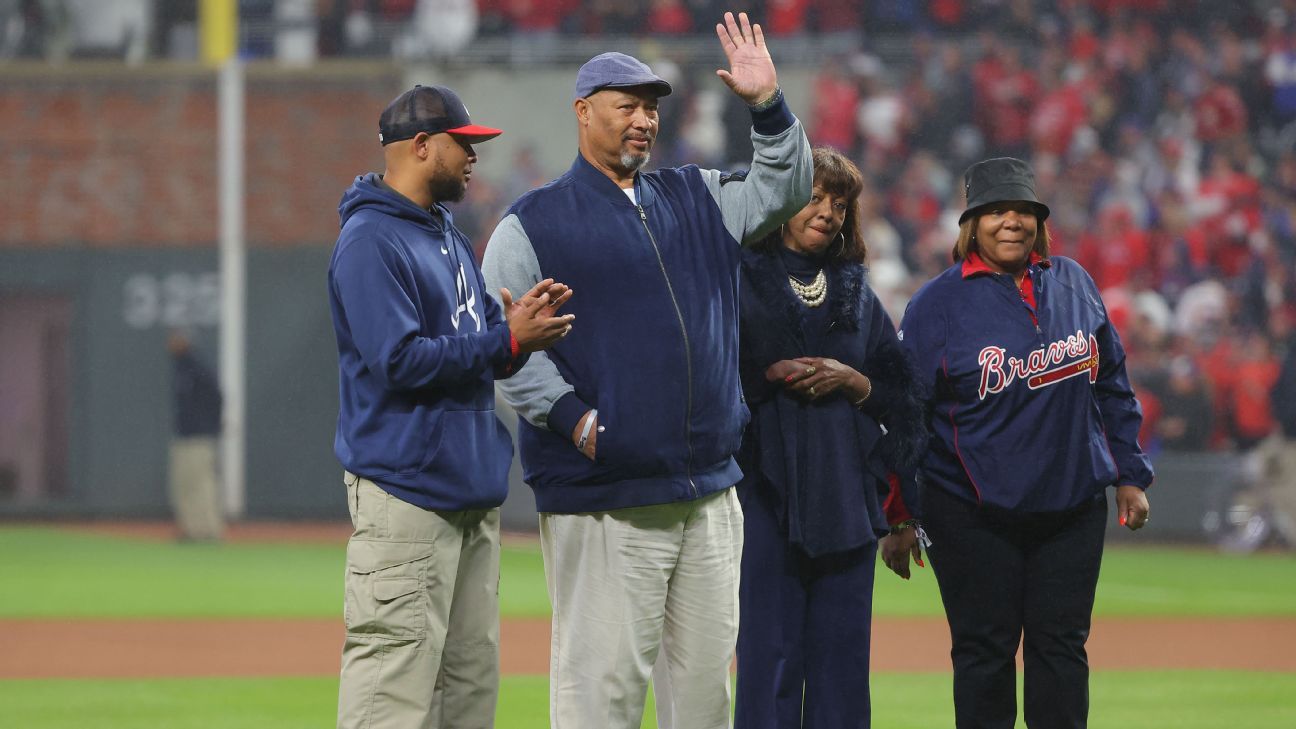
1066, 358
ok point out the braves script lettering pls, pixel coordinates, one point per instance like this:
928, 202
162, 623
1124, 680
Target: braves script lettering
1042, 367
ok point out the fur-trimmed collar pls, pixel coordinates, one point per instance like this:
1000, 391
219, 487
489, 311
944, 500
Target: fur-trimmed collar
846, 290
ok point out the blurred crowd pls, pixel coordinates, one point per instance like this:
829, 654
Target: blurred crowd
1163, 133
1163, 136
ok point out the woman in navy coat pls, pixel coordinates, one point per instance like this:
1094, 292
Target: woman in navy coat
1032, 419
835, 423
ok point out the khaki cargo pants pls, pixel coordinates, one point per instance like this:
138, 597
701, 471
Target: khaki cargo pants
421, 613
194, 489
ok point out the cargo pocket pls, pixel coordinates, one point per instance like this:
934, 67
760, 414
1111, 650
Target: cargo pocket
386, 589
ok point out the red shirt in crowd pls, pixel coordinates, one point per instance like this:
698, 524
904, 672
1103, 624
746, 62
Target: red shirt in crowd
1229, 210
832, 118
538, 15
785, 17
669, 17
1056, 118
1220, 113
1253, 379
1218, 366
1116, 251
1009, 92
946, 12
835, 16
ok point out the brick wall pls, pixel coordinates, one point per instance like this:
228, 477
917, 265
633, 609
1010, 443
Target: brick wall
115, 157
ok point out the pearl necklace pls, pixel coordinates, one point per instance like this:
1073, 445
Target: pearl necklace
812, 294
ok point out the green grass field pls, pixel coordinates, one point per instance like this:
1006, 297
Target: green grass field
51, 573
1120, 700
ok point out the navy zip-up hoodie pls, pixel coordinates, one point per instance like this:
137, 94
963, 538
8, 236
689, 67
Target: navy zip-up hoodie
419, 345
1030, 410
655, 342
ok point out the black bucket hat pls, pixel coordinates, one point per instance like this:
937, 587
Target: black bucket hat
1001, 179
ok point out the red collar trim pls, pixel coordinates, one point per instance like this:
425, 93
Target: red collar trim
973, 265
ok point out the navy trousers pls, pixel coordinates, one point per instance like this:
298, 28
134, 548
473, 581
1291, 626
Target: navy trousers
803, 635
1002, 575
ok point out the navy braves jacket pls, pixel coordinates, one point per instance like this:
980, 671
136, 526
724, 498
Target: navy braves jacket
419, 344
655, 342
1030, 409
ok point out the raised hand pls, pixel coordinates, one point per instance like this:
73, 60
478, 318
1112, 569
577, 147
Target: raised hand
751, 72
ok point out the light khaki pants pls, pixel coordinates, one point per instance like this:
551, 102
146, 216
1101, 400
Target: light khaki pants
421, 613
624, 583
194, 488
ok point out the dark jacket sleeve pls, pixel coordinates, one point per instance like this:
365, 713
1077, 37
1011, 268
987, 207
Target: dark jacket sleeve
374, 284
494, 322
895, 402
1121, 414
922, 339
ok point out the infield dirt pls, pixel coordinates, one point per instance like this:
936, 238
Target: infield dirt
139, 648
174, 648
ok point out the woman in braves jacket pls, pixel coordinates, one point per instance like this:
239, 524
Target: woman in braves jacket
822, 372
1031, 418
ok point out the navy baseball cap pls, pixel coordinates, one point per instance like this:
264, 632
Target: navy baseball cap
613, 70
431, 109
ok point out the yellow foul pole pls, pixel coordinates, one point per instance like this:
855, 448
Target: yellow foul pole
218, 25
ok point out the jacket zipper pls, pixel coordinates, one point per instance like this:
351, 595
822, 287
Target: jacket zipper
688, 350
1008, 281
1034, 310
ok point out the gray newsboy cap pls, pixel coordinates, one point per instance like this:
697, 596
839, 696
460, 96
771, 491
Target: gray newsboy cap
616, 70
1001, 179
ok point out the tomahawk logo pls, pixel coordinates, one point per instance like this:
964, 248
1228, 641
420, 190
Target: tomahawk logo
1066, 358
467, 298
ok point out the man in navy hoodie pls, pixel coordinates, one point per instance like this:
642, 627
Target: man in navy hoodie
420, 344
628, 429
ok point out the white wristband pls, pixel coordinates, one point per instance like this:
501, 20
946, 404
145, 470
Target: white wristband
585, 431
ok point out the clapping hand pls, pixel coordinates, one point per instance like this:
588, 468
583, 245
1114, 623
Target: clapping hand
559, 293
533, 320
751, 72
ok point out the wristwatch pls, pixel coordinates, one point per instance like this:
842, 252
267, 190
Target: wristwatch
896, 529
